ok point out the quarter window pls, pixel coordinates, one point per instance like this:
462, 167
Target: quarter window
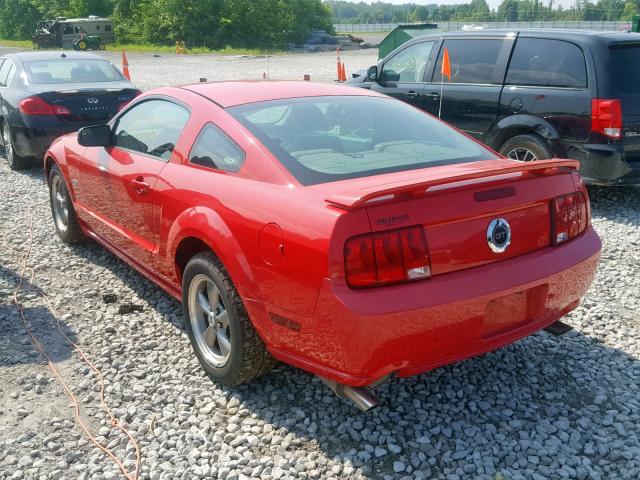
407, 65
5, 72
471, 60
214, 149
152, 127
549, 63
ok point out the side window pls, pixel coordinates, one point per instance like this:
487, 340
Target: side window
152, 127
214, 149
107, 28
12, 71
4, 71
67, 30
97, 27
552, 63
407, 65
471, 60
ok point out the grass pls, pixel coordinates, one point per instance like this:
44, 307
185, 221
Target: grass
134, 47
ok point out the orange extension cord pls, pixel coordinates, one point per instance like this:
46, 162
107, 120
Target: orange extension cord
114, 421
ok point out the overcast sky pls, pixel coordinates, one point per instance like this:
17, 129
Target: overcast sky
492, 3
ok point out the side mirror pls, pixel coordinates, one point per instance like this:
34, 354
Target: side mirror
372, 73
96, 136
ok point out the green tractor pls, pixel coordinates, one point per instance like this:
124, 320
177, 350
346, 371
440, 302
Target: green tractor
90, 42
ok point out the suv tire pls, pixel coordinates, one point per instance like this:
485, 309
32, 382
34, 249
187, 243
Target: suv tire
221, 333
526, 148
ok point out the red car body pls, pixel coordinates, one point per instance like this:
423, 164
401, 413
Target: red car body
283, 243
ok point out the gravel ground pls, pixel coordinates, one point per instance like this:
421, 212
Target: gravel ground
542, 408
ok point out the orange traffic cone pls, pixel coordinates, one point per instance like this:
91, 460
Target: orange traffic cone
125, 66
264, 75
338, 64
343, 73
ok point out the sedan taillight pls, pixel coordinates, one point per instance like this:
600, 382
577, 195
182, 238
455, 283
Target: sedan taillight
570, 217
37, 106
385, 258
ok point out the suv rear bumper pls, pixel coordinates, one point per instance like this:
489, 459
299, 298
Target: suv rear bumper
602, 164
359, 336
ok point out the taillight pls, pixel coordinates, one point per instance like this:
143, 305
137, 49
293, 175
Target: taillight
385, 258
606, 117
124, 104
37, 106
570, 217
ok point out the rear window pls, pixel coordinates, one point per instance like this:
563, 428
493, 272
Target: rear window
72, 71
627, 59
547, 63
325, 139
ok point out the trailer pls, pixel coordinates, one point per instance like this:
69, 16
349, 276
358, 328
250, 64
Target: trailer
64, 32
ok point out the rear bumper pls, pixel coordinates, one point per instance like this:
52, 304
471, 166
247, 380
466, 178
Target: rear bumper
34, 142
358, 336
606, 164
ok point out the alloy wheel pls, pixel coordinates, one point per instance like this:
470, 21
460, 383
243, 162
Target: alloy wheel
59, 203
522, 154
6, 140
209, 320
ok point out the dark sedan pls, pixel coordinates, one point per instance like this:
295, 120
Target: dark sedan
44, 95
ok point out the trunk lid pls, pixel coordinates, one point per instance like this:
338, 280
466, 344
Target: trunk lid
89, 105
456, 204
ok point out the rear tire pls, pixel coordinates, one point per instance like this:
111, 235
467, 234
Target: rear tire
221, 333
526, 148
64, 215
15, 161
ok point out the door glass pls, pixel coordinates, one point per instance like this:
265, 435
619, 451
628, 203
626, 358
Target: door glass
408, 65
472, 61
214, 149
152, 127
549, 63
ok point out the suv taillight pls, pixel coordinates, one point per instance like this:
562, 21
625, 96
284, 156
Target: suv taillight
37, 106
385, 258
606, 117
569, 218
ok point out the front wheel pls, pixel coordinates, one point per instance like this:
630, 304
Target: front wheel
526, 148
64, 215
221, 333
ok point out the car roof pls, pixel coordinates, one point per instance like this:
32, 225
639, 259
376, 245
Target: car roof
53, 55
232, 93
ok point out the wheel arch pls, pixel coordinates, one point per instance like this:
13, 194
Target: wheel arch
202, 229
515, 125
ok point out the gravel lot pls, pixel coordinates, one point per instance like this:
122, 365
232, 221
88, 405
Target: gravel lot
542, 408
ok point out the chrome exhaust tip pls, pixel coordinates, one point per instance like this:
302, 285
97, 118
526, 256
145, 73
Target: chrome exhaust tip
362, 397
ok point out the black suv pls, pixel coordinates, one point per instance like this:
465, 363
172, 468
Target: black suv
530, 94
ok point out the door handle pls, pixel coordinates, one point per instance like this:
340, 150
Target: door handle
140, 185
412, 94
433, 95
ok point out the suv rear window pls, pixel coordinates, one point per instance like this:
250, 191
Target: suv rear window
547, 63
626, 58
325, 139
472, 61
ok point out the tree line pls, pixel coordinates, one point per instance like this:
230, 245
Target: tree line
479, 11
199, 23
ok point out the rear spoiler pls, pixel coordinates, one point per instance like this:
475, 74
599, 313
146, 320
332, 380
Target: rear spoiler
350, 200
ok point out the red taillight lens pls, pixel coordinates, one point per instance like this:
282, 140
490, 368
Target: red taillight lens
386, 258
37, 106
570, 217
606, 117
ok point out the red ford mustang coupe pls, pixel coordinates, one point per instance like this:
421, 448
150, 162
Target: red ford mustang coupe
331, 228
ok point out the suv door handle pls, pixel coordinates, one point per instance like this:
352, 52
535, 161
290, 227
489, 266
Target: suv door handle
140, 185
412, 94
433, 95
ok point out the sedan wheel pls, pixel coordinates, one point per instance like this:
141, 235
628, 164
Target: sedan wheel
15, 162
209, 321
522, 155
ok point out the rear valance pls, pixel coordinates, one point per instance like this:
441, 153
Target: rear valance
416, 183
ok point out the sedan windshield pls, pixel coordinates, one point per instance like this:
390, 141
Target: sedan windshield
72, 71
325, 139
